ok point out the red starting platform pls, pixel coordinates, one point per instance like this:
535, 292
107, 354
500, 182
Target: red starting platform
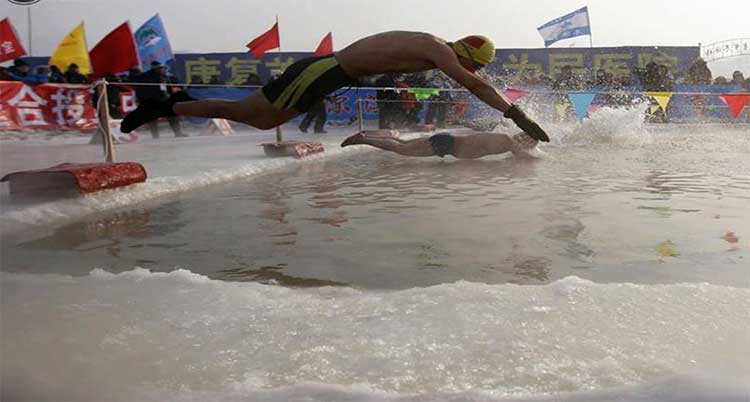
297, 149
81, 178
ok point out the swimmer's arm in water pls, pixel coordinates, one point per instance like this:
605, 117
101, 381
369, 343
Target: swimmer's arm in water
521, 145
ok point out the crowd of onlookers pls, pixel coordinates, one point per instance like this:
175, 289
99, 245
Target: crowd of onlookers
402, 107
22, 71
652, 77
157, 84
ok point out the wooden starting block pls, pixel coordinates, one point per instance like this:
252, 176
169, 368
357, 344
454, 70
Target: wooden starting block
218, 127
298, 149
70, 178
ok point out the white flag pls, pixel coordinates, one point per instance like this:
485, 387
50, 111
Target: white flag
568, 26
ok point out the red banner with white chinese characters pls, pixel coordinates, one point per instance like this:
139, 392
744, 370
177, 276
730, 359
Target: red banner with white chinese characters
46, 107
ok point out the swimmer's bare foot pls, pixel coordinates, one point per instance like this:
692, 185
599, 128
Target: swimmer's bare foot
355, 139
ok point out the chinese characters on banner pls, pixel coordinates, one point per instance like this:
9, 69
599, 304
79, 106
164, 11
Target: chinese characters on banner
619, 61
46, 106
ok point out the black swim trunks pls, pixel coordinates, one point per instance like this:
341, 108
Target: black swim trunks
305, 82
442, 144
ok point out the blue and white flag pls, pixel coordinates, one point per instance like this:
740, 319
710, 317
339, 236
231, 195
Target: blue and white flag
153, 45
568, 26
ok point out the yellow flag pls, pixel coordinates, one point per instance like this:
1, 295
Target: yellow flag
662, 98
73, 49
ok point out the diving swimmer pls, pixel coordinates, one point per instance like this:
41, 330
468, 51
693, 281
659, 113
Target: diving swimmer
309, 80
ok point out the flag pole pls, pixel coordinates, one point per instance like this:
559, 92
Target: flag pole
278, 128
28, 14
591, 36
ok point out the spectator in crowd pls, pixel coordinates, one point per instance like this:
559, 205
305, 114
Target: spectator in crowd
721, 80
318, 113
114, 100
55, 75
652, 79
386, 100
415, 80
738, 79
747, 84
567, 80
438, 105
603, 79
72, 76
666, 81
42, 74
699, 74
21, 71
156, 89
134, 72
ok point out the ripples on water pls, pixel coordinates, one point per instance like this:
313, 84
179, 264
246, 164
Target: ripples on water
593, 208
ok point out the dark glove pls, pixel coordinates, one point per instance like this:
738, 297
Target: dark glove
526, 124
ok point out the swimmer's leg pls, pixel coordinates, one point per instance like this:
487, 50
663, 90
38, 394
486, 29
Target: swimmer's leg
415, 147
254, 110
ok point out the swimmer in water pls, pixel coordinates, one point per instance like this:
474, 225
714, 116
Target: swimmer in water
309, 80
470, 146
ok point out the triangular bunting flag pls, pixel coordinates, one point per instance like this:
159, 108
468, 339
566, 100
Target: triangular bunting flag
581, 102
562, 109
662, 98
515, 94
736, 102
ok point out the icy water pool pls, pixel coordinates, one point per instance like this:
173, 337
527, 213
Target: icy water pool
615, 267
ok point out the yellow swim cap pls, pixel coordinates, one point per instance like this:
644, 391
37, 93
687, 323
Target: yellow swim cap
475, 47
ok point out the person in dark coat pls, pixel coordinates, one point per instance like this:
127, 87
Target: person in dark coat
55, 75
72, 76
156, 89
318, 113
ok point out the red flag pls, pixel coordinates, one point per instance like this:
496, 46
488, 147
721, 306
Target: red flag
265, 42
10, 46
736, 102
115, 53
325, 47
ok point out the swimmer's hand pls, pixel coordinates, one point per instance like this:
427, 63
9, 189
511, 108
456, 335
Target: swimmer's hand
526, 124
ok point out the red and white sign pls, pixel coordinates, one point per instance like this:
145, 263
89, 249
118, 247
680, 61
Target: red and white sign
46, 106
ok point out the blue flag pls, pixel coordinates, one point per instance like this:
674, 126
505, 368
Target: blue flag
568, 26
153, 44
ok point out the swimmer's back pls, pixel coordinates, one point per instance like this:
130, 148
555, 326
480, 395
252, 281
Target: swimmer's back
387, 52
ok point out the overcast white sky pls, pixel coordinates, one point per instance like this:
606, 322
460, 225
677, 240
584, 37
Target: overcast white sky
226, 25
